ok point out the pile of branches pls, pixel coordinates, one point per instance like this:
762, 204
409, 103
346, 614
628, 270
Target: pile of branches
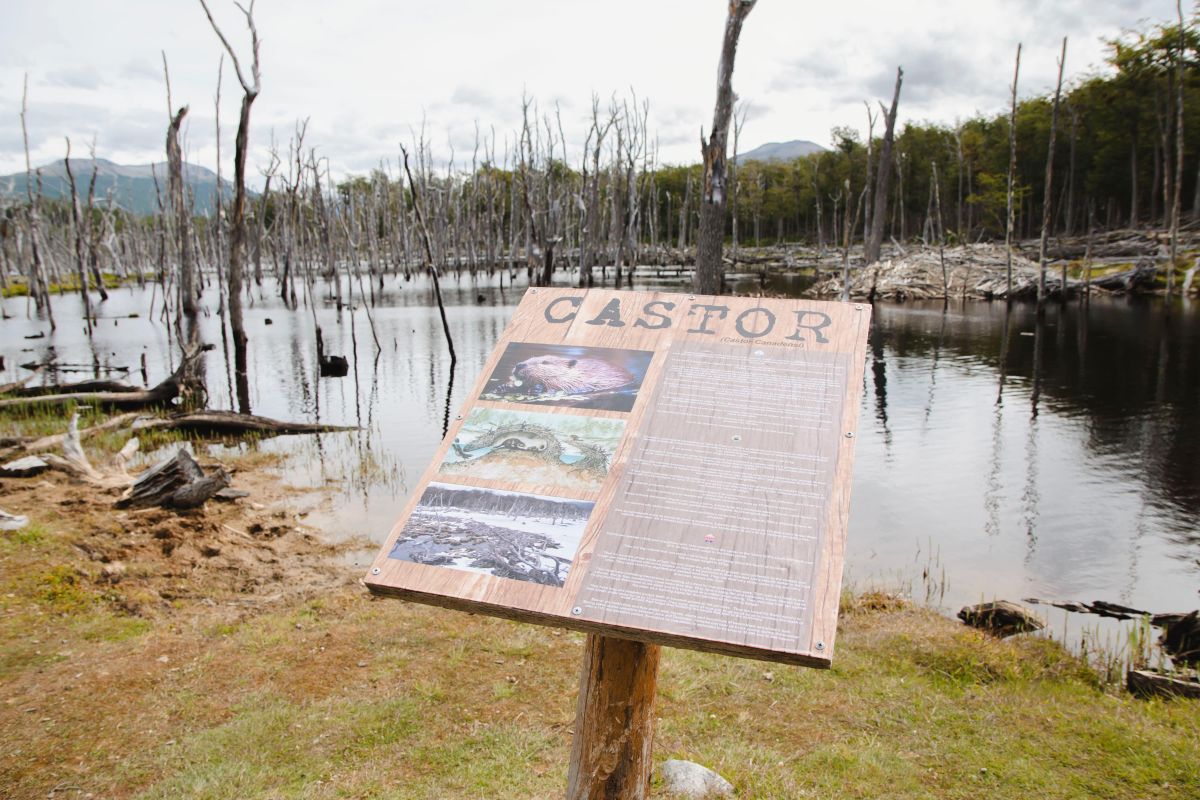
979, 272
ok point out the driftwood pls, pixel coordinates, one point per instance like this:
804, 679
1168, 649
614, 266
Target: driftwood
177, 482
25, 467
1001, 618
231, 423
977, 271
15, 386
75, 462
1145, 683
50, 442
71, 388
1181, 637
1100, 608
184, 378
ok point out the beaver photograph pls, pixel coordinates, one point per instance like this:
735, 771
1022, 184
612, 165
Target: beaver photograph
560, 375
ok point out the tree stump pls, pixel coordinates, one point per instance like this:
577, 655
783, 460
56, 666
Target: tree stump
177, 482
614, 720
1001, 618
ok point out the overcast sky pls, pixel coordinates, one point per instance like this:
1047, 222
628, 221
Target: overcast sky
365, 72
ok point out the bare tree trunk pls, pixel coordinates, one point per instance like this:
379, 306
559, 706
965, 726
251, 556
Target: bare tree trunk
41, 288
1047, 196
80, 267
187, 268
709, 275
872, 246
1175, 203
237, 237
433, 270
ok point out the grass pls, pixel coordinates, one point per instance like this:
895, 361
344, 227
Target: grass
327, 693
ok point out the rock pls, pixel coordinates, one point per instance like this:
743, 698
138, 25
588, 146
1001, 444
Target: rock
12, 522
692, 781
1001, 618
113, 573
229, 494
25, 467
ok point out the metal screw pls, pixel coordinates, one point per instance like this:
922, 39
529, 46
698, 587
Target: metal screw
576, 610
374, 570
533, 291
737, 437
849, 434
820, 645
858, 308
691, 297
458, 416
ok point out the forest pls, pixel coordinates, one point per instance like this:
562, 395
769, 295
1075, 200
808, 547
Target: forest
517, 203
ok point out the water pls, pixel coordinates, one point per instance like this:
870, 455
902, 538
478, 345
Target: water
991, 462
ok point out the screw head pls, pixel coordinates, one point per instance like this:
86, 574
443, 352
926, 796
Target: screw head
576, 610
737, 437
820, 645
849, 434
374, 570
458, 416
533, 291
858, 308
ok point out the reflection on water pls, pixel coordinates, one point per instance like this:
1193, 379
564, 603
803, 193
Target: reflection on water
1056, 458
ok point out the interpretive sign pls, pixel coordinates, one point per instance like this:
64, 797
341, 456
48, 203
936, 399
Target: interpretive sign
661, 467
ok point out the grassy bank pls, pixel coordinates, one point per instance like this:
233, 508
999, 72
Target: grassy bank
226, 654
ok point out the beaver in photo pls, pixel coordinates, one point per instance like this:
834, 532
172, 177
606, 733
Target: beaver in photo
558, 375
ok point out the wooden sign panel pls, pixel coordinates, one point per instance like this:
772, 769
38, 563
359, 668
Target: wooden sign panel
664, 467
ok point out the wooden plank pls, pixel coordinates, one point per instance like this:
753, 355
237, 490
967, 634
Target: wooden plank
707, 447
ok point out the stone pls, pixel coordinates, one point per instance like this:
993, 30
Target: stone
12, 522
689, 780
1001, 618
25, 467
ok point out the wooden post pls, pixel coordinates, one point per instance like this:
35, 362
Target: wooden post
614, 720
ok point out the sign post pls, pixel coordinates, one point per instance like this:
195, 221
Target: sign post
651, 469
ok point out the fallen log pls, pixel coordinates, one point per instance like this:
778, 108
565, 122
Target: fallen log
232, 423
56, 440
183, 378
1144, 683
72, 388
177, 482
17, 385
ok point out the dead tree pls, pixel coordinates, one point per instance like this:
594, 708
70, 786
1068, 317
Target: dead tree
1012, 170
433, 270
80, 267
41, 288
1175, 202
237, 237
709, 275
883, 177
1047, 196
187, 267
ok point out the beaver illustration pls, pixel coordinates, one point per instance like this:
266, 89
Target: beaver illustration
558, 375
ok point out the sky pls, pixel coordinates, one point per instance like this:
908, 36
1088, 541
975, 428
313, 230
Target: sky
367, 74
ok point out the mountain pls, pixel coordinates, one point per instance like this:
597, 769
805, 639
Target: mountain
781, 151
132, 186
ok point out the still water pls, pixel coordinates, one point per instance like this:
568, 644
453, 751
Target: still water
996, 457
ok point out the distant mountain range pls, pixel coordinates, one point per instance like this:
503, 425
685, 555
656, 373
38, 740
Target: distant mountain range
781, 151
132, 186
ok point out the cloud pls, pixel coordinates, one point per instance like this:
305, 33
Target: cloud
79, 77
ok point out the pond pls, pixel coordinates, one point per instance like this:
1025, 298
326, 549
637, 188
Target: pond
997, 456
